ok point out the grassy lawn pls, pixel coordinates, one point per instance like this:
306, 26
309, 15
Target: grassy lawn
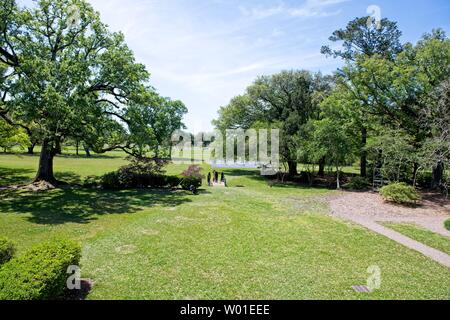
425, 236
248, 241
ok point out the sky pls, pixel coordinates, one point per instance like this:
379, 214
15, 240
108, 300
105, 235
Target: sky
204, 52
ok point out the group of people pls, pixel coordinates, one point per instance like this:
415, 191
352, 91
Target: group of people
213, 178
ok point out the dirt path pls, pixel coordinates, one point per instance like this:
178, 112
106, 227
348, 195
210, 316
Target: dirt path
369, 209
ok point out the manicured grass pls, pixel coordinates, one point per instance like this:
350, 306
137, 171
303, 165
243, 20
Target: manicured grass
21, 168
249, 241
425, 236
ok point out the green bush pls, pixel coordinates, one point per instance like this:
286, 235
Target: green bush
400, 193
92, 182
447, 224
124, 179
358, 183
187, 182
424, 179
39, 274
173, 181
110, 181
7, 250
192, 177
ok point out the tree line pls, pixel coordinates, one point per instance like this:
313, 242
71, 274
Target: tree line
66, 77
387, 108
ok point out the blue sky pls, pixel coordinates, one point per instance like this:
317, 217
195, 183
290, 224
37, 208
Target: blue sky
204, 52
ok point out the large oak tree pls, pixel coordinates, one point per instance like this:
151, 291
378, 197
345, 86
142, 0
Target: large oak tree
66, 74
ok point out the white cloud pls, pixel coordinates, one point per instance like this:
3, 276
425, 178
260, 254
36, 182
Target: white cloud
310, 8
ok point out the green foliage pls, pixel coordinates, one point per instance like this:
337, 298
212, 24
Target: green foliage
173, 181
140, 173
192, 177
126, 179
152, 123
7, 250
12, 137
361, 37
395, 149
358, 183
92, 182
41, 273
331, 140
447, 224
424, 179
400, 193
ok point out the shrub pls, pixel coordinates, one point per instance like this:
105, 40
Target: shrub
358, 183
425, 179
41, 273
400, 193
7, 250
140, 173
187, 182
110, 181
192, 177
173, 181
92, 182
447, 224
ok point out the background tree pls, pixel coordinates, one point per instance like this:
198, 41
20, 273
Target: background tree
12, 137
288, 99
402, 88
152, 123
361, 39
339, 147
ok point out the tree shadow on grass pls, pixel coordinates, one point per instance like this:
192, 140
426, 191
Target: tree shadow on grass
82, 206
293, 185
9, 176
241, 172
252, 174
13, 177
70, 178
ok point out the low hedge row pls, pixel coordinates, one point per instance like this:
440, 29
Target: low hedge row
41, 273
7, 250
122, 180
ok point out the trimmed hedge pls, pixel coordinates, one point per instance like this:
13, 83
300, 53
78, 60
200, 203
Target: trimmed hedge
41, 273
130, 180
400, 193
7, 250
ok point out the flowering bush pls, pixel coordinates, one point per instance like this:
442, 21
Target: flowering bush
192, 177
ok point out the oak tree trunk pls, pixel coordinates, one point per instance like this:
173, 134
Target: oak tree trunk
31, 149
292, 168
322, 167
45, 170
87, 151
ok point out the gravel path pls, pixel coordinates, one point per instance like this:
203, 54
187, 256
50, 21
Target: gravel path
368, 209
